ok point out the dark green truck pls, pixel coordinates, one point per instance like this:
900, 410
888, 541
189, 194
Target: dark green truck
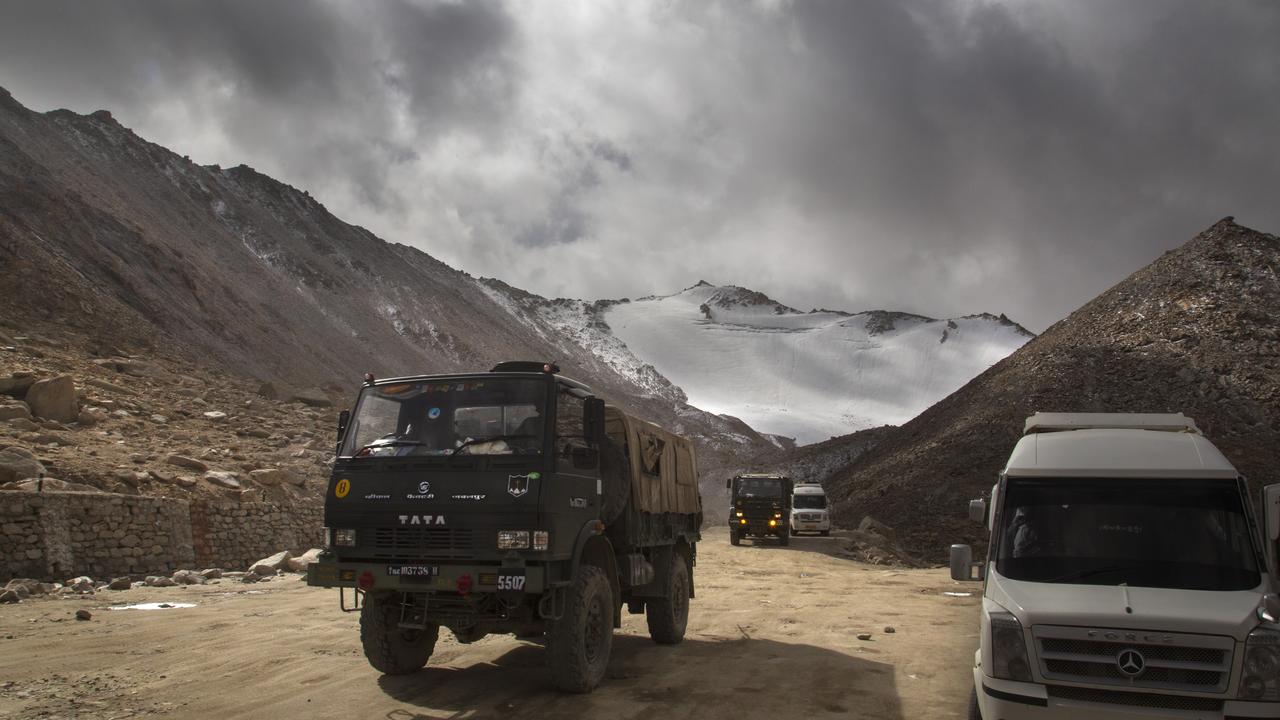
513, 501
760, 506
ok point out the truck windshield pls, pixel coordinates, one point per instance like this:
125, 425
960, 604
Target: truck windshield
809, 502
1184, 534
759, 488
493, 416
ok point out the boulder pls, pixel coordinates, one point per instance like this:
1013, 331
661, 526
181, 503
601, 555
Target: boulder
211, 573
120, 583
84, 615
12, 409
89, 417
311, 398
23, 424
215, 415
300, 563
9, 596
18, 464
82, 584
272, 476
17, 384
269, 565
159, 581
188, 577
54, 399
186, 462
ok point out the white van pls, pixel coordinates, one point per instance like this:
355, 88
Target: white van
809, 510
1126, 577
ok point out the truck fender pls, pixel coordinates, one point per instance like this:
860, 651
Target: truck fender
593, 548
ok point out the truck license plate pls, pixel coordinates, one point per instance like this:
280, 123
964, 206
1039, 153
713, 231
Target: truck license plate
510, 581
418, 573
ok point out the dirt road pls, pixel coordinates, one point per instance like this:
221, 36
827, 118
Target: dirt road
772, 633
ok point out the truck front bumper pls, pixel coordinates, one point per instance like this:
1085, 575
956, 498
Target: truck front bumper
1010, 700
483, 578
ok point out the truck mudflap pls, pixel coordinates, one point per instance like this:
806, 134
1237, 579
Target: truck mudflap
424, 576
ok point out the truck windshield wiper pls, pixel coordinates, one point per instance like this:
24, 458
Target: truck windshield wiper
477, 441
390, 443
1082, 574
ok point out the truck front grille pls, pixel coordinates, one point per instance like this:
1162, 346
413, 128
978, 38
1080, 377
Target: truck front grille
1192, 663
423, 542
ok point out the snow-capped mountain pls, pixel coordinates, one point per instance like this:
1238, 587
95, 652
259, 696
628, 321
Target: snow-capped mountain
806, 375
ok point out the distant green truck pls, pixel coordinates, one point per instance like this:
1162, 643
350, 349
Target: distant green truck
512, 501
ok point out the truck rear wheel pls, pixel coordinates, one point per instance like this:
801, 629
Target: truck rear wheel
578, 644
669, 616
390, 649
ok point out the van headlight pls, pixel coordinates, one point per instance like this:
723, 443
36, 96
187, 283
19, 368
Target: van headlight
1261, 678
513, 539
1008, 649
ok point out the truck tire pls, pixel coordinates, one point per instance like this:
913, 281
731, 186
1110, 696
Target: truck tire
390, 649
733, 537
669, 616
975, 713
578, 644
784, 538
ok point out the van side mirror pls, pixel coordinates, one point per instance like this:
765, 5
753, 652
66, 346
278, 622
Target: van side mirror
1269, 610
978, 511
963, 568
593, 419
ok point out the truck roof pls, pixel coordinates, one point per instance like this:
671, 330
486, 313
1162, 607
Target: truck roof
1054, 422
1118, 453
481, 375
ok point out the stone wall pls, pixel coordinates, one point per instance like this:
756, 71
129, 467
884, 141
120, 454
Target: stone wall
54, 536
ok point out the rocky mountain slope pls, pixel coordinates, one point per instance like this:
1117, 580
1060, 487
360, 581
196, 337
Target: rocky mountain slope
1197, 331
122, 248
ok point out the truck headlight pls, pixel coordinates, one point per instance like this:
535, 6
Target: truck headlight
513, 539
1261, 677
739, 514
1008, 649
541, 539
344, 538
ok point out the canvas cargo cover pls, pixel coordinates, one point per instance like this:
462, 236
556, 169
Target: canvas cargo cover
664, 468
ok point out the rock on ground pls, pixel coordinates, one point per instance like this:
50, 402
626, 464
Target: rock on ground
120, 583
269, 565
18, 463
14, 409
188, 577
54, 399
223, 478
186, 462
300, 563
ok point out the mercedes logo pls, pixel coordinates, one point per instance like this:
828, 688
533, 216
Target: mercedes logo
1131, 662
424, 487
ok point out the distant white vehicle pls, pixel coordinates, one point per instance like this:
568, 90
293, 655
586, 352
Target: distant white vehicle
1126, 577
809, 510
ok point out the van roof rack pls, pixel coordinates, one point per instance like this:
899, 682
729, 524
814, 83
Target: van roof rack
1055, 422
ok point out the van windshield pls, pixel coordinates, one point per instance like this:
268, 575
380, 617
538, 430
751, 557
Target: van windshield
809, 502
493, 416
1183, 534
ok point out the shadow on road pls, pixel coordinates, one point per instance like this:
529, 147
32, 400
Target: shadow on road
705, 678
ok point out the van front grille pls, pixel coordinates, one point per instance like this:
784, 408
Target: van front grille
1135, 659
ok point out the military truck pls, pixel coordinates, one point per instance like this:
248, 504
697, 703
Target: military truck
1127, 576
760, 507
513, 501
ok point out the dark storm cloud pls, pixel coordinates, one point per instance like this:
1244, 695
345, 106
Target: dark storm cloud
938, 156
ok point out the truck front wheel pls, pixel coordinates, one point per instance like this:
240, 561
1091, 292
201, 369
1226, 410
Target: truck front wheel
784, 537
390, 649
578, 644
669, 616
733, 537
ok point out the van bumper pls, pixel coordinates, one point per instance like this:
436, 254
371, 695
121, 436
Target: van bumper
1009, 700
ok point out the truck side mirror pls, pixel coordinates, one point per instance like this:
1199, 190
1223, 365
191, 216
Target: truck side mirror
728, 484
593, 419
978, 511
1271, 528
963, 568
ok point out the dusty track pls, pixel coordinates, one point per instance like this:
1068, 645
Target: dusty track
773, 633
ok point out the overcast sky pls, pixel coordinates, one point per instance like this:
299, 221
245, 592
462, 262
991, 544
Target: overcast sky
943, 157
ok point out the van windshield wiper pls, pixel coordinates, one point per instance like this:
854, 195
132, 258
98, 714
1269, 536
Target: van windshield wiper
491, 438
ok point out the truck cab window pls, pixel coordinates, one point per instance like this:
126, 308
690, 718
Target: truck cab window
570, 433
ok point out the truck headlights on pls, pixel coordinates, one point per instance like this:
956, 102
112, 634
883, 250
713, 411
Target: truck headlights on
1261, 678
1008, 649
739, 514
344, 538
541, 539
513, 539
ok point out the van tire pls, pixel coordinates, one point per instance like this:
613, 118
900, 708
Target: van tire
390, 649
975, 713
669, 616
824, 533
579, 643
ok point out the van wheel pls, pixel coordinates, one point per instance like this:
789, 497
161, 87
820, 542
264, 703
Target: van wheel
825, 533
578, 644
669, 616
390, 649
975, 713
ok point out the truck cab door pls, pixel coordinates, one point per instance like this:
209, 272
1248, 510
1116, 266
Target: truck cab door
573, 497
